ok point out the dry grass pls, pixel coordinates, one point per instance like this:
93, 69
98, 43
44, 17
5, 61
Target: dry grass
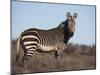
76, 57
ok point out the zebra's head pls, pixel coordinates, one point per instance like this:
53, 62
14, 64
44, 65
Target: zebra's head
69, 24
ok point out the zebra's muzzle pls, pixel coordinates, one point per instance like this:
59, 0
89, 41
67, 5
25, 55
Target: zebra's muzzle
70, 34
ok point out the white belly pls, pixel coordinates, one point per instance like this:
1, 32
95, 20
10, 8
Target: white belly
46, 48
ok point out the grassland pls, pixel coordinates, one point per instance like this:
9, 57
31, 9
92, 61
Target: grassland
75, 57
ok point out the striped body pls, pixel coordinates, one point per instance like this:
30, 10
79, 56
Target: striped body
35, 39
54, 39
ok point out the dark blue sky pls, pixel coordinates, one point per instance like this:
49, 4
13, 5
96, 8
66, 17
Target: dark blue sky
45, 16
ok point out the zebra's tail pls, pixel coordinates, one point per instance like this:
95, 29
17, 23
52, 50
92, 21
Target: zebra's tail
18, 50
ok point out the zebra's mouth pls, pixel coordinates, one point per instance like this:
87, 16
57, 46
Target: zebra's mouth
69, 34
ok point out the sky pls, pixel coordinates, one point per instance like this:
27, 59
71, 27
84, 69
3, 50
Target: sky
27, 15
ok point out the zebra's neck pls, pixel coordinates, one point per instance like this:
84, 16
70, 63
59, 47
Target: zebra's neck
64, 29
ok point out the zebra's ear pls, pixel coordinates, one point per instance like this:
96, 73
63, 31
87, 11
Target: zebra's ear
68, 14
75, 15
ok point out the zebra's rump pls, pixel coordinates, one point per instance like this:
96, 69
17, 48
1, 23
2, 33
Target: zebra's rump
29, 39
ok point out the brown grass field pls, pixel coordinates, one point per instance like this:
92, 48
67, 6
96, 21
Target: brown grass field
75, 57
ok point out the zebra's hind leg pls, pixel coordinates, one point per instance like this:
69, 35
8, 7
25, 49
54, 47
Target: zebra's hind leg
27, 58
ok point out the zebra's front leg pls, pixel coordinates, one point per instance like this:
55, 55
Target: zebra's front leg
59, 51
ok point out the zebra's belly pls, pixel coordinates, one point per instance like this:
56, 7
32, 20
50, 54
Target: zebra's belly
46, 48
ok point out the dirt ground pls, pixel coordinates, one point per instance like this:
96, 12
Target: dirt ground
75, 57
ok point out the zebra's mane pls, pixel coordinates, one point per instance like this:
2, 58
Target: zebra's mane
64, 25
67, 34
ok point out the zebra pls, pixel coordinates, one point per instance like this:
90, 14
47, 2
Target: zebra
55, 39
